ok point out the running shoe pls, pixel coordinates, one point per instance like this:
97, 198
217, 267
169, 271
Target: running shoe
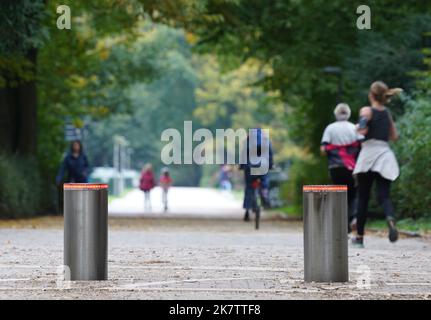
393, 232
358, 242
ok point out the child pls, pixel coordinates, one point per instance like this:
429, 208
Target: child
165, 182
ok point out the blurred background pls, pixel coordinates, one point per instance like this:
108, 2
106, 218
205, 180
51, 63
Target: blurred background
129, 69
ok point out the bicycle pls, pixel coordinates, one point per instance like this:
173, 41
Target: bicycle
256, 201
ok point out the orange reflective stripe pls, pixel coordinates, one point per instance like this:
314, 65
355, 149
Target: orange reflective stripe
324, 188
85, 186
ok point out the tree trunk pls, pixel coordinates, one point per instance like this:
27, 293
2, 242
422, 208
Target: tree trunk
18, 115
7, 119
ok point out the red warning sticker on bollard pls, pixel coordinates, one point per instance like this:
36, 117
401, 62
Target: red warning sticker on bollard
324, 188
85, 186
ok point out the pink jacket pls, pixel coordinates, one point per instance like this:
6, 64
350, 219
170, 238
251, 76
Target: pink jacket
147, 181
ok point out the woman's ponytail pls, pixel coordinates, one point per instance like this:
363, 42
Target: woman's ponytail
381, 93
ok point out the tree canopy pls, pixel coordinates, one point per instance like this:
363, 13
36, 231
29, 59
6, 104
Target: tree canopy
137, 67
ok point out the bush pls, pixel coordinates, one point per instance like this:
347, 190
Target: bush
20, 187
304, 172
412, 194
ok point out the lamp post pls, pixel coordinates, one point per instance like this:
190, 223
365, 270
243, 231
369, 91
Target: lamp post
129, 157
338, 72
119, 159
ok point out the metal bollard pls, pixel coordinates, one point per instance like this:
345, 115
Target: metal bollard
325, 233
86, 230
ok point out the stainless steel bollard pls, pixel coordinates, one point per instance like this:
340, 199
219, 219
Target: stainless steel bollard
325, 234
86, 230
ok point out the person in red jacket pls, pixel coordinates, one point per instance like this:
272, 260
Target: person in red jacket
165, 182
146, 184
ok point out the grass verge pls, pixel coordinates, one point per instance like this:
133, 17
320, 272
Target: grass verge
123, 194
291, 212
421, 226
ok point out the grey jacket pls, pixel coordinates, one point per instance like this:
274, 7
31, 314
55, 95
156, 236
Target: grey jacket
377, 156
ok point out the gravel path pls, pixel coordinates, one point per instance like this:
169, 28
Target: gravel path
204, 259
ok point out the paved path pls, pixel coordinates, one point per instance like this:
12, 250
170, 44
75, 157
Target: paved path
206, 259
184, 202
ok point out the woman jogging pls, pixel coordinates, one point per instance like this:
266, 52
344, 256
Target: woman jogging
376, 161
146, 184
341, 142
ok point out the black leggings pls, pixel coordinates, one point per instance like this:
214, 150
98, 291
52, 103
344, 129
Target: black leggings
365, 182
343, 176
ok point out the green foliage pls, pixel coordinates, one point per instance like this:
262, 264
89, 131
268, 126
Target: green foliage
163, 103
412, 190
84, 73
234, 99
393, 55
412, 197
21, 26
127, 75
308, 171
20, 187
190, 88
298, 39
21, 30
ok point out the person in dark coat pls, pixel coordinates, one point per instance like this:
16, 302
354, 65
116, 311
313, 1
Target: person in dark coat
249, 178
75, 164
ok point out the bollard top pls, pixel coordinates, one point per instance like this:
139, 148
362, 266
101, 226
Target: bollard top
85, 186
324, 188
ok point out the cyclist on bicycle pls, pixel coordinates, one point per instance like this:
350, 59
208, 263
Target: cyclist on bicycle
257, 142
